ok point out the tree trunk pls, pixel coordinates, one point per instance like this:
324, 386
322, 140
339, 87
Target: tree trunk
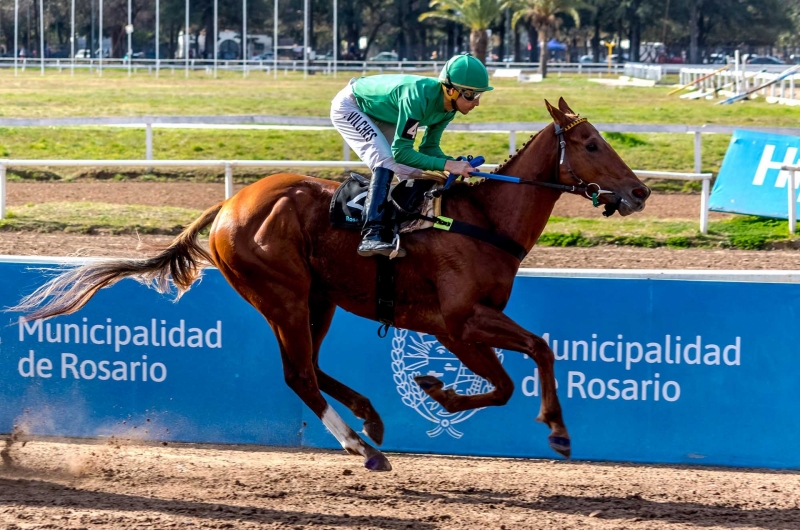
694, 31
208, 24
596, 40
543, 52
451, 40
635, 38
478, 41
517, 45
533, 38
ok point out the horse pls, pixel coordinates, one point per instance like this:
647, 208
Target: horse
274, 244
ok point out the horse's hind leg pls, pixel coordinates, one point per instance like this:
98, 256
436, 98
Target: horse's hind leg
291, 323
294, 338
483, 361
321, 316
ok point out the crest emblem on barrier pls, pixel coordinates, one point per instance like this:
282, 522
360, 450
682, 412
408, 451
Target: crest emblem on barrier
416, 354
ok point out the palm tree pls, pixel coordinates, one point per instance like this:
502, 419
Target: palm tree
477, 15
543, 14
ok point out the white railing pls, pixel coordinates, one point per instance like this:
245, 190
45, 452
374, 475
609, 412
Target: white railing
652, 72
325, 66
792, 189
228, 166
744, 79
321, 124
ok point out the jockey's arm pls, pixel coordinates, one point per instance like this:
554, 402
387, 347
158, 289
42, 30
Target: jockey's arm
403, 144
430, 142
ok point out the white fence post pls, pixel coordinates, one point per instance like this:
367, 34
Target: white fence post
698, 168
2, 190
704, 205
228, 180
148, 150
792, 202
512, 142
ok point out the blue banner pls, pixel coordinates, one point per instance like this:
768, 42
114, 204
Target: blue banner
751, 180
670, 371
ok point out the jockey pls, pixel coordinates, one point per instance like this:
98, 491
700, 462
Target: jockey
378, 117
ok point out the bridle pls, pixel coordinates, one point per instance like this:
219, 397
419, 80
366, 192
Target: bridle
582, 187
590, 190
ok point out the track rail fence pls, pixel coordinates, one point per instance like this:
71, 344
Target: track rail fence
299, 123
229, 165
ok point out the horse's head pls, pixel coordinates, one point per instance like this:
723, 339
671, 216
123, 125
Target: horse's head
588, 161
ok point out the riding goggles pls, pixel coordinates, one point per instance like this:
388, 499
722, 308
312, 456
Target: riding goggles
469, 95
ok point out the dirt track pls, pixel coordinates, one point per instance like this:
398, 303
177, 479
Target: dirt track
103, 485
201, 195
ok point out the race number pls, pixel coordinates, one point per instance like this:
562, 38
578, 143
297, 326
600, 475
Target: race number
410, 129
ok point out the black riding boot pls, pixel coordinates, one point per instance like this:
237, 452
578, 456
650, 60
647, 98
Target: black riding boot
378, 234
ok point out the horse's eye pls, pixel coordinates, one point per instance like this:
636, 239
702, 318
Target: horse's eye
591, 147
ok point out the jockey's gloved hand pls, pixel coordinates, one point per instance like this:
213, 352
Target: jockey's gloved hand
474, 161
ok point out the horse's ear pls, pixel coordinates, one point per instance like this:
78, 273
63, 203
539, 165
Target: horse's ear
558, 116
564, 107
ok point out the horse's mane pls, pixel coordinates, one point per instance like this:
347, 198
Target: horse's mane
530, 140
508, 160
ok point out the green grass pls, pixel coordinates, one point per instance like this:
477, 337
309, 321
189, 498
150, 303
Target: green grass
90, 218
667, 152
741, 232
58, 95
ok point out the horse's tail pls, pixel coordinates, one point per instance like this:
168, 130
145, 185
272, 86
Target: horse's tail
180, 262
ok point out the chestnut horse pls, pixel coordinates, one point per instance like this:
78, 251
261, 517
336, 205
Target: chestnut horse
274, 244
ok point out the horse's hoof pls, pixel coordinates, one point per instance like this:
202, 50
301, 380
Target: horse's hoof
561, 445
378, 462
428, 382
374, 429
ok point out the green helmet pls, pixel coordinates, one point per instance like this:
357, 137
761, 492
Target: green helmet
465, 71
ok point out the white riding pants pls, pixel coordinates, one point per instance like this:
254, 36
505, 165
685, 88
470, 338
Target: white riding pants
371, 140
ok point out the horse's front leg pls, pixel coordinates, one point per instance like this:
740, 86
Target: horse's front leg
491, 327
483, 362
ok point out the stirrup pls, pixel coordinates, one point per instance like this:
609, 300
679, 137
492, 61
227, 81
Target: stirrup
397, 248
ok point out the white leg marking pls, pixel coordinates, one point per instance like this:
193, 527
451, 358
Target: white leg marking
341, 431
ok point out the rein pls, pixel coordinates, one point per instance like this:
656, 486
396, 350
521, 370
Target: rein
591, 191
582, 187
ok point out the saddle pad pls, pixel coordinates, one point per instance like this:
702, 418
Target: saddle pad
347, 206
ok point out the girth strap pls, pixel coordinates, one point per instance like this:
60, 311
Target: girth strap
384, 290
476, 232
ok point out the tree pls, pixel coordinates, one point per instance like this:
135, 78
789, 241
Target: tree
545, 17
477, 15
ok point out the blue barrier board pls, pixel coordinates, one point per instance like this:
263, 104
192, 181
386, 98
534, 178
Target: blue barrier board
669, 371
751, 180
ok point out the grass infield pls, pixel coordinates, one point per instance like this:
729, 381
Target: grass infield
744, 232
61, 95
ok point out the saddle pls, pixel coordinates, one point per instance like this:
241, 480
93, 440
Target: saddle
417, 206
411, 200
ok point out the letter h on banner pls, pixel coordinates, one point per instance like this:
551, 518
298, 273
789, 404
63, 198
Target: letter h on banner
768, 163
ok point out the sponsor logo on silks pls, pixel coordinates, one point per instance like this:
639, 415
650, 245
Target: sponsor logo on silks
362, 126
410, 129
416, 354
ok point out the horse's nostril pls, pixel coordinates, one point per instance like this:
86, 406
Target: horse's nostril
641, 193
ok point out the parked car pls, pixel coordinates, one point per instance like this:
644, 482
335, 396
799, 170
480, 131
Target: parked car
86, 54
263, 57
763, 59
586, 59
385, 56
718, 58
